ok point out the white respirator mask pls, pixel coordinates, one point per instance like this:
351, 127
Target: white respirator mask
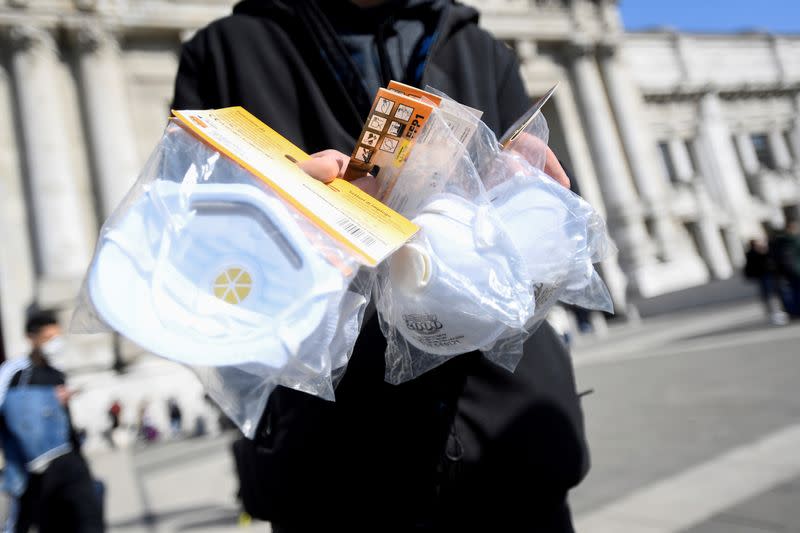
54, 351
546, 231
453, 289
213, 274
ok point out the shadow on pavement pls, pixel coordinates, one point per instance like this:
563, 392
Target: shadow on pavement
169, 515
223, 518
750, 327
735, 289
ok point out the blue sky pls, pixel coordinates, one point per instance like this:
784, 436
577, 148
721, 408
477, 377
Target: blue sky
777, 16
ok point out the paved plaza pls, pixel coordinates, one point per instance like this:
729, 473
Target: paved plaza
693, 423
182, 486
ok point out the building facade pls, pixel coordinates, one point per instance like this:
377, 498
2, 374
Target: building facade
689, 144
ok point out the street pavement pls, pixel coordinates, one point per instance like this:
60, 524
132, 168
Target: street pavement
693, 424
171, 487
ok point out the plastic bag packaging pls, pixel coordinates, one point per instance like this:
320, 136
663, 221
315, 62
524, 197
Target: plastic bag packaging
205, 264
242, 391
460, 284
559, 235
530, 217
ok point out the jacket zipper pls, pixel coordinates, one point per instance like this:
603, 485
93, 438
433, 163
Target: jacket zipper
436, 42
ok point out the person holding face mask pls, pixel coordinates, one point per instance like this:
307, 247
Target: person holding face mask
45, 474
467, 446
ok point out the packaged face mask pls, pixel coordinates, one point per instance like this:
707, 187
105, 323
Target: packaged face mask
453, 289
219, 274
559, 237
548, 233
227, 257
548, 237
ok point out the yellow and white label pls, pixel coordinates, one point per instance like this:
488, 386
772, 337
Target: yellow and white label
361, 223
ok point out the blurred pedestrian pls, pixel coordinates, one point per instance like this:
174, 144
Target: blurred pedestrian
785, 249
114, 412
148, 433
175, 417
760, 267
46, 475
200, 427
583, 317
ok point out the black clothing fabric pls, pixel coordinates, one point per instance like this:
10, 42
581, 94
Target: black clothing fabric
384, 42
39, 375
454, 446
266, 58
63, 499
758, 264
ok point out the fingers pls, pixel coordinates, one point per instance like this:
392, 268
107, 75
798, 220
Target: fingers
554, 169
532, 148
331, 164
538, 154
328, 165
63, 394
342, 159
324, 168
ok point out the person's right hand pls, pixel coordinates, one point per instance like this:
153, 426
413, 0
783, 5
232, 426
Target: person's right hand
331, 164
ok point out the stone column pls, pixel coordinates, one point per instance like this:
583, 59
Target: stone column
681, 160
750, 163
586, 178
622, 204
107, 115
580, 156
780, 150
712, 245
725, 175
16, 254
626, 102
61, 238
794, 135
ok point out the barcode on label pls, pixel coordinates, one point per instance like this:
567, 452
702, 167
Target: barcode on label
354, 230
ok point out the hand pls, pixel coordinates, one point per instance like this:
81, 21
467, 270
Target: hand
331, 164
64, 394
553, 168
538, 154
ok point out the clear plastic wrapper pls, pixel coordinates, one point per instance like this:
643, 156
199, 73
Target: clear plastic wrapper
205, 264
460, 284
501, 243
559, 235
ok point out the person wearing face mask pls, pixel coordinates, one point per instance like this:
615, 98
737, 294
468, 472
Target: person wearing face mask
46, 476
467, 446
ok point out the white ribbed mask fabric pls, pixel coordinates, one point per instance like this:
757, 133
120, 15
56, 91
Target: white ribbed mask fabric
218, 274
450, 286
549, 232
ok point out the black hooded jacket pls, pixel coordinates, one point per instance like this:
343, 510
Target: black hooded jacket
466, 445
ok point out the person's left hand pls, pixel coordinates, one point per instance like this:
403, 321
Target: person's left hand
64, 394
553, 168
536, 152
328, 165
